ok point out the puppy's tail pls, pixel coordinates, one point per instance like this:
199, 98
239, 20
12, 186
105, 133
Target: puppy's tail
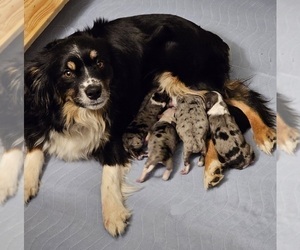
174, 87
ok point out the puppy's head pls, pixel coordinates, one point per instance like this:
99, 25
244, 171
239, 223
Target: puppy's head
75, 69
215, 104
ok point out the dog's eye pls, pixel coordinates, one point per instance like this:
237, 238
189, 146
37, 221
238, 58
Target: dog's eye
100, 64
68, 74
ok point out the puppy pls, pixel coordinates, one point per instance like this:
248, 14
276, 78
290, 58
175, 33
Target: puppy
162, 140
192, 127
136, 132
233, 151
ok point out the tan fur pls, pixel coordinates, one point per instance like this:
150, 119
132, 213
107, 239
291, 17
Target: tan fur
264, 136
213, 169
239, 88
11, 163
84, 131
174, 87
288, 138
33, 164
115, 214
71, 65
93, 54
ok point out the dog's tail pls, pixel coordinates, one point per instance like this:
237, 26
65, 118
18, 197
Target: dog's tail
174, 87
239, 91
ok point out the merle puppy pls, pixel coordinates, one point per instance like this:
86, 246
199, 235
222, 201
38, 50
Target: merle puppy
135, 134
162, 141
192, 127
230, 144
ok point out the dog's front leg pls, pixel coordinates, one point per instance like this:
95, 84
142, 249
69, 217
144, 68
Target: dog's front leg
113, 194
10, 164
33, 165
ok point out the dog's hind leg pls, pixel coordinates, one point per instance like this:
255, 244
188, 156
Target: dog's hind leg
261, 118
213, 168
33, 165
113, 194
288, 137
10, 166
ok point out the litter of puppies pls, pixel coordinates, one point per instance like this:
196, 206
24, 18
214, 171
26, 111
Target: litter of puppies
163, 121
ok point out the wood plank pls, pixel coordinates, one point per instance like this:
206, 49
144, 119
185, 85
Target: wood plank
11, 21
38, 14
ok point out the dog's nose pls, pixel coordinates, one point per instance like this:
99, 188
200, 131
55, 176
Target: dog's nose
93, 92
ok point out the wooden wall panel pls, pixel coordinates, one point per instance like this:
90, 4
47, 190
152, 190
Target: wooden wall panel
38, 14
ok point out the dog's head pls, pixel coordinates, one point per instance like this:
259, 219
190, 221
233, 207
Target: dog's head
215, 104
76, 69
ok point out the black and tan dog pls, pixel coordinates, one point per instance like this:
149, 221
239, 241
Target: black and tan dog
82, 91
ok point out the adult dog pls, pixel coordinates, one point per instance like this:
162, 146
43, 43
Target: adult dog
82, 91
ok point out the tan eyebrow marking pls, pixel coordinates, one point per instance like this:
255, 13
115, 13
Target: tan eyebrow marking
71, 65
93, 54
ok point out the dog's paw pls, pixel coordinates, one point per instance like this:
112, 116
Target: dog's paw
31, 187
288, 139
266, 139
7, 188
115, 219
213, 174
10, 165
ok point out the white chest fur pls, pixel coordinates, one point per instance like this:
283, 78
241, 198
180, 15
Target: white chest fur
84, 133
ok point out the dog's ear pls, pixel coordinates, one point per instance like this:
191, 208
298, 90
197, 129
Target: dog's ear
52, 44
38, 89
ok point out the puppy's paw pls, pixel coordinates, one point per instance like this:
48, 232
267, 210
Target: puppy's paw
166, 174
288, 139
213, 174
265, 139
186, 169
115, 218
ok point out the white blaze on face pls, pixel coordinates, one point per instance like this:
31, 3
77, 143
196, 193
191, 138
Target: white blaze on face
219, 108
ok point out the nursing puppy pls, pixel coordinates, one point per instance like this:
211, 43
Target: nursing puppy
136, 132
82, 91
162, 141
233, 151
192, 127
